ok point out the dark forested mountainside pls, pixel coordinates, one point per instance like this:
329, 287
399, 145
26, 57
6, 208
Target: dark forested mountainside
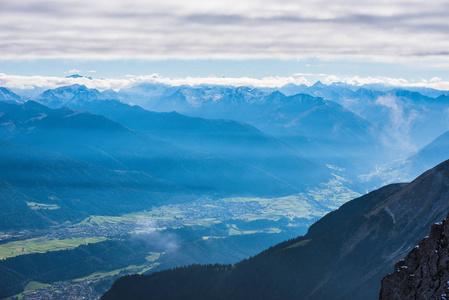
343, 256
15, 212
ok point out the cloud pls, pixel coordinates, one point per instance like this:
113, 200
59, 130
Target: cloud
358, 81
311, 74
47, 82
29, 82
105, 29
74, 71
400, 123
147, 230
435, 82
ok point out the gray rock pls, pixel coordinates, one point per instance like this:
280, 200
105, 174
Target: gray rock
424, 273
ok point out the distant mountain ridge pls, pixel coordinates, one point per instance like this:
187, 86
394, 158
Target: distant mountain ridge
98, 140
382, 105
63, 96
10, 97
225, 138
319, 129
351, 127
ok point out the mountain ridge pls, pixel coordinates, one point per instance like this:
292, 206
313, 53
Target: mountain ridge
111, 145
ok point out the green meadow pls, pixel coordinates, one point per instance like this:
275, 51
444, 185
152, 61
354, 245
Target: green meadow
42, 245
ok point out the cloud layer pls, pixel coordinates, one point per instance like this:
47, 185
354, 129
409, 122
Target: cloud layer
47, 82
29, 82
232, 29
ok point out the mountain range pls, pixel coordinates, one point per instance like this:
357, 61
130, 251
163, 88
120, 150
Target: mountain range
273, 135
296, 118
96, 139
224, 138
377, 118
300, 130
317, 129
88, 152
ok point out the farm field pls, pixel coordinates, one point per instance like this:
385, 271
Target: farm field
42, 245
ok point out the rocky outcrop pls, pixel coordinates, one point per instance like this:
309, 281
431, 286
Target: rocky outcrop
424, 273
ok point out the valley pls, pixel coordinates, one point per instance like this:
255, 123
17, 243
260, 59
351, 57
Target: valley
205, 222
357, 243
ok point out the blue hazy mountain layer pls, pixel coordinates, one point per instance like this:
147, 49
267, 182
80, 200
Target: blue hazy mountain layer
431, 154
411, 117
406, 119
405, 114
320, 130
101, 141
316, 127
352, 127
233, 140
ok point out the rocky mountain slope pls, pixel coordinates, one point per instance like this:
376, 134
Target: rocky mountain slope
424, 273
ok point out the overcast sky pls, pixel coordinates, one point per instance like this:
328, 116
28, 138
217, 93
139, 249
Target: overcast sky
410, 35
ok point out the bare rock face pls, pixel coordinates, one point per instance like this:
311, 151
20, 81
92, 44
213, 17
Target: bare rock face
424, 273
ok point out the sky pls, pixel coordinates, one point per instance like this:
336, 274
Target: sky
265, 42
